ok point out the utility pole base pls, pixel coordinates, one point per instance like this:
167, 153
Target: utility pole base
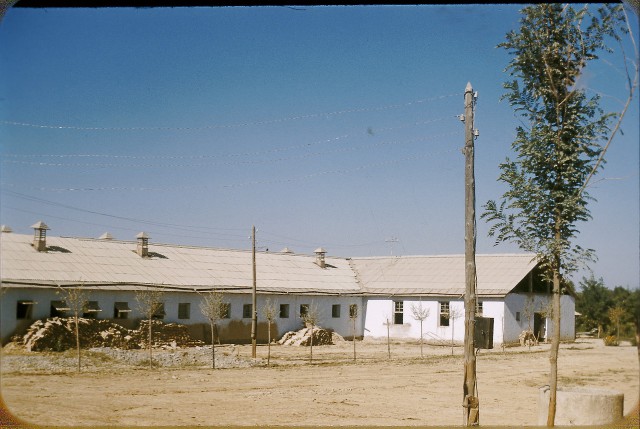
472, 406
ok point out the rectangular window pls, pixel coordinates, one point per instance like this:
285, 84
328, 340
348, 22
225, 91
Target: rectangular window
517, 316
24, 309
479, 308
353, 311
91, 310
247, 309
398, 312
335, 310
58, 309
284, 311
159, 313
184, 310
121, 310
304, 309
444, 313
226, 310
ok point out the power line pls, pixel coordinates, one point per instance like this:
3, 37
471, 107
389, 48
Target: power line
243, 162
129, 219
222, 126
229, 186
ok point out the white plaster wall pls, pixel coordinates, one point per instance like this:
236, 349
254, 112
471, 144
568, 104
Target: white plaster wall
107, 299
379, 309
516, 303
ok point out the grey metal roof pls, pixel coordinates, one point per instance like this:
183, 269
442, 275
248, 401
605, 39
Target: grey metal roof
114, 264
441, 275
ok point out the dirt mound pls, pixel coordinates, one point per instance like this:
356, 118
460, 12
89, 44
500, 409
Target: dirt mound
164, 334
58, 334
302, 337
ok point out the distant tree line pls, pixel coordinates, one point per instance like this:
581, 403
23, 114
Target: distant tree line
607, 311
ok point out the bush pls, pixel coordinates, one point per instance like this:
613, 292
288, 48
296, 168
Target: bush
611, 340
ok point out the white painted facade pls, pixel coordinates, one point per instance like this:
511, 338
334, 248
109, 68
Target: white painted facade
384, 289
333, 311
509, 316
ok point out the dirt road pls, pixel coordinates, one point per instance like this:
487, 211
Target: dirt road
404, 391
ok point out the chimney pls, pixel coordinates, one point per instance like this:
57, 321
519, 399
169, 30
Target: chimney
320, 252
40, 236
106, 236
286, 250
143, 245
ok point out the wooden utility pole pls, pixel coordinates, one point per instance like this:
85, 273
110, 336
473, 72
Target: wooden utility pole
254, 303
470, 400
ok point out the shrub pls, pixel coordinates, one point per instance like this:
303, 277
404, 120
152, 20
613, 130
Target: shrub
611, 340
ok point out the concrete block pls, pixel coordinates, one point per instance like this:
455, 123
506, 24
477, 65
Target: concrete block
581, 406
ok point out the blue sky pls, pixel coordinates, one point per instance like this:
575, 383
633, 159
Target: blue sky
321, 126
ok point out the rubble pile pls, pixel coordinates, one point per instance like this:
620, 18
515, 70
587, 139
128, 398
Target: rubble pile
527, 338
163, 334
58, 334
321, 337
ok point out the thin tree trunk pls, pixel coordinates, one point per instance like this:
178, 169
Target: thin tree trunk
421, 353
388, 340
453, 327
269, 345
213, 347
311, 356
150, 345
77, 340
354, 340
555, 345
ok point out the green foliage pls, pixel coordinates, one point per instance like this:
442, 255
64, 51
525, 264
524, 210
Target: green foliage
560, 139
593, 303
615, 310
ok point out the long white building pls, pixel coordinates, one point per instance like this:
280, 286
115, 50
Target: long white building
386, 291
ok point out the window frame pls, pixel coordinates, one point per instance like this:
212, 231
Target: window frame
121, 310
335, 311
160, 312
443, 316
247, 311
184, 307
27, 306
304, 310
91, 309
283, 312
398, 312
226, 310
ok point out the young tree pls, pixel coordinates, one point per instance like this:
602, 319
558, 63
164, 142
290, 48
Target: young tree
615, 314
76, 300
150, 302
353, 315
388, 324
454, 313
558, 146
213, 308
269, 311
420, 313
311, 318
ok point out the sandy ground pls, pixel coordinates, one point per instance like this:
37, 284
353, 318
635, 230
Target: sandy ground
406, 390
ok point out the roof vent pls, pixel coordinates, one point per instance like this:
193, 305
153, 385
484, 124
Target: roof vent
106, 236
320, 252
40, 236
143, 245
5, 228
286, 250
